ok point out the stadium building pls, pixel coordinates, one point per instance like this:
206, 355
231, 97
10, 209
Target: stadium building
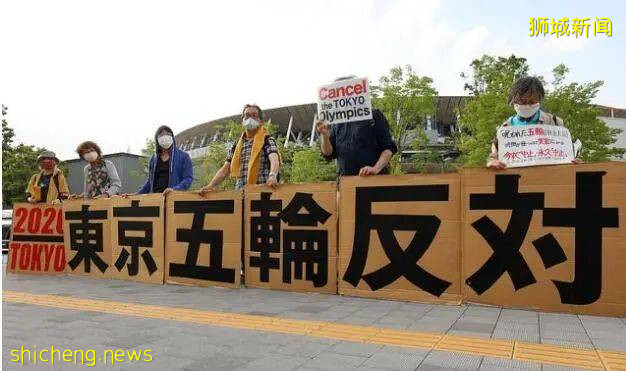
295, 123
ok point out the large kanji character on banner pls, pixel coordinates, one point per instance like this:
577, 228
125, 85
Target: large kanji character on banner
87, 237
402, 262
138, 238
294, 241
400, 237
204, 239
577, 224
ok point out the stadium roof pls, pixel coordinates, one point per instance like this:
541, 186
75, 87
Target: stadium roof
199, 135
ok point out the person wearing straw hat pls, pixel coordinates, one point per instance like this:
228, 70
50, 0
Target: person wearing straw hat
49, 184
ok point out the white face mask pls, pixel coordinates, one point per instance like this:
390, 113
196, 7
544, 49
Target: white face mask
91, 156
250, 123
165, 141
526, 110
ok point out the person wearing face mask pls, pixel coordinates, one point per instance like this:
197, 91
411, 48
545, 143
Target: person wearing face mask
49, 185
101, 179
169, 168
253, 159
526, 95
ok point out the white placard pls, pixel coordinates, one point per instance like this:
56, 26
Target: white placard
344, 101
532, 145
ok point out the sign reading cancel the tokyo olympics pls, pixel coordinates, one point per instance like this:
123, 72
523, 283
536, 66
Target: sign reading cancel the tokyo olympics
344, 101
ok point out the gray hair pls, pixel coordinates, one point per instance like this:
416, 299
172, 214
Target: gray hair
349, 77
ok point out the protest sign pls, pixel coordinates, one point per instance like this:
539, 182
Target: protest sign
138, 238
344, 101
87, 235
532, 145
549, 239
399, 237
36, 244
203, 238
291, 237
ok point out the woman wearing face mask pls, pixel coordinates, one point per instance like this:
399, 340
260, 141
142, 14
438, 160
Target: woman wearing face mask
525, 96
253, 159
48, 185
169, 168
101, 179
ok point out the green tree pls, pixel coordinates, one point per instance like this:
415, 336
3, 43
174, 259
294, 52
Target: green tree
489, 85
146, 152
286, 158
407, 100
229, 131
572, 102
19, 163
17, 167
7, 133
217, 151
487, 109
310, 166
214, 159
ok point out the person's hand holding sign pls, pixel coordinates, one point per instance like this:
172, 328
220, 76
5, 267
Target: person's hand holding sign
205, 190
272, 181
496, 164
322, 128
368, 170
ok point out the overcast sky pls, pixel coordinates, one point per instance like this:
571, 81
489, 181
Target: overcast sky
112, 71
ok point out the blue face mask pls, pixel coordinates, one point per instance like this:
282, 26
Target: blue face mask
517, 120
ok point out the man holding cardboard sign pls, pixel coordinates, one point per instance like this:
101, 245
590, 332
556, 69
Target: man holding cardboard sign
357, 136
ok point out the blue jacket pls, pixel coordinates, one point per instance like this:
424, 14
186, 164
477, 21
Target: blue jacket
181, 170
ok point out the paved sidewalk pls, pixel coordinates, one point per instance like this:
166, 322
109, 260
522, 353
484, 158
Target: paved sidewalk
191, 346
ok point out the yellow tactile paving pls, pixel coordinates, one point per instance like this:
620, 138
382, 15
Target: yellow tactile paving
406, 338
613, 360
573, 357
485, 347
531, 352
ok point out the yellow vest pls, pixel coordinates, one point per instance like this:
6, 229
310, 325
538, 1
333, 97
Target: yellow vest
34, 190
254, 163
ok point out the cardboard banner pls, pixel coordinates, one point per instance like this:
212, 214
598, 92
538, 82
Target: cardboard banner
531, 145
547, 238
36, 244
87, 234
399, 237
203, 239
138, 238
344, 101
291, 237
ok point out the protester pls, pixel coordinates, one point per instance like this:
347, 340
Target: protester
526, 95
169, 168
100, 176
254, 158
49, 184
361, 148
